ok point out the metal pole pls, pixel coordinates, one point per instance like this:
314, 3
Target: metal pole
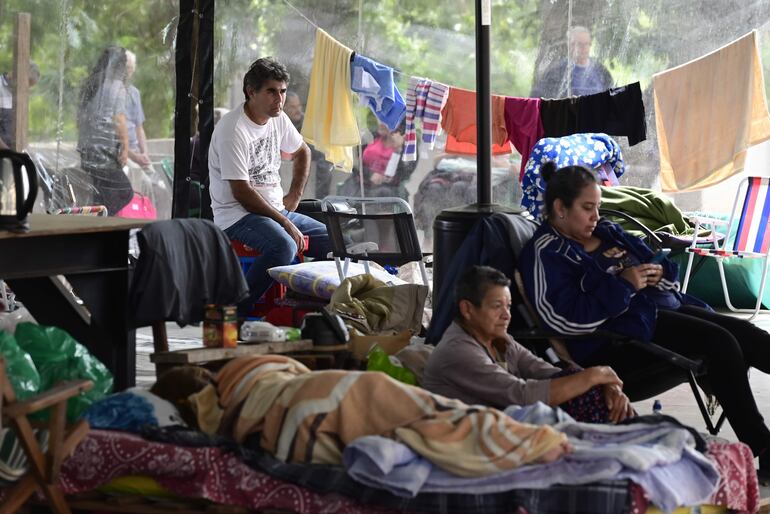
206, 94
483, 105
181, 200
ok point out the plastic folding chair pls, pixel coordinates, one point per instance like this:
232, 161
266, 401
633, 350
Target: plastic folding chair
378, 229
750, 215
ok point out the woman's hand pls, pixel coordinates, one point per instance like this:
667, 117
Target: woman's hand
618, 404
643, 275
654, 274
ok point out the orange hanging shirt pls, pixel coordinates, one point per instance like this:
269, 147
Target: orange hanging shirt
458, 119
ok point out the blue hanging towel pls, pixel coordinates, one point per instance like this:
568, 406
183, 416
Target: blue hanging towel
374, 84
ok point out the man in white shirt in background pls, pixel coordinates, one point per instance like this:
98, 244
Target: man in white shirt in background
246, 195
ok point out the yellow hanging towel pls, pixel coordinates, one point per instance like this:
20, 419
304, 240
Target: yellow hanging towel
330, 121
708, 112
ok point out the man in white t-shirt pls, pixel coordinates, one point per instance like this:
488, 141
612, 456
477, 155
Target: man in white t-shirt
245, 186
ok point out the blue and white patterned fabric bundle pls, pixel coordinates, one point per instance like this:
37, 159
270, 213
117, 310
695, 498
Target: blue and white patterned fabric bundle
131, 410
590, 150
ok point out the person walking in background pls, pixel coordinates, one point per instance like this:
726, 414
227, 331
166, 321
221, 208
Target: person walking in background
103, 129
588, 76
137, 141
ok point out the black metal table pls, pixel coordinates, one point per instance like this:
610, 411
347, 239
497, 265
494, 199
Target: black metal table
92, 253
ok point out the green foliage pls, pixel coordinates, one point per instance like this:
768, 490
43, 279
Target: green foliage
67, 36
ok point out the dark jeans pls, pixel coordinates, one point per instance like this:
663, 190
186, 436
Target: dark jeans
275, 246
728, 345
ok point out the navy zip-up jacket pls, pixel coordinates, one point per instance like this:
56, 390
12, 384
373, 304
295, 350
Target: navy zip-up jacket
573, 295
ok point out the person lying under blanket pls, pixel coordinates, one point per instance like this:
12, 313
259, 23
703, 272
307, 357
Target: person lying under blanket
309, 417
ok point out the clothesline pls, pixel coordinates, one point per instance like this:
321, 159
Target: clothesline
301, 14
396, 71
312, 23
731, 168
517, 122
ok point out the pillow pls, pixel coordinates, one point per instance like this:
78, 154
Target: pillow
131, 410
320, 278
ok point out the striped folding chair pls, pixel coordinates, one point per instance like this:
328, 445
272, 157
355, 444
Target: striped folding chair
752, 237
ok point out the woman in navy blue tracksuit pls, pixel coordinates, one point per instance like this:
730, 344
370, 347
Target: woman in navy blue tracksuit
583, 274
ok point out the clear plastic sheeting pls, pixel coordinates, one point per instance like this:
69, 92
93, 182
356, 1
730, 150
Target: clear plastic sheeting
625, 41
452, 182
101, 111
64, 184
534, 43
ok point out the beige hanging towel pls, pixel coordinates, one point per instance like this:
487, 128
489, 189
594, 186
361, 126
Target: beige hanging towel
708, 112
330, 121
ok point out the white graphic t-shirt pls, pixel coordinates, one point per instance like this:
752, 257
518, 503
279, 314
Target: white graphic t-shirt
242, 150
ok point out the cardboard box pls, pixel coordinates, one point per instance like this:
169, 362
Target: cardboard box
361, 344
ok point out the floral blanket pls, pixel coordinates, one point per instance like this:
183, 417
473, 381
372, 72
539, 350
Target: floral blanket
206, 472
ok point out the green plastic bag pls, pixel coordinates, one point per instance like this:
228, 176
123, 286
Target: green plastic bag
19, 367
378, 360
58, 357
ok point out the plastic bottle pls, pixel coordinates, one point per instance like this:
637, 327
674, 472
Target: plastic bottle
657, 408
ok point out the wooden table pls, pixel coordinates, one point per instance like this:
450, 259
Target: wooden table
92, 252
200, 356
197, 356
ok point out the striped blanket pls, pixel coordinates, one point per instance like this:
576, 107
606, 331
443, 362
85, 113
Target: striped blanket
309, 417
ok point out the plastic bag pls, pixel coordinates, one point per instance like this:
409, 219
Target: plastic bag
381, 361
58, 357
19, 367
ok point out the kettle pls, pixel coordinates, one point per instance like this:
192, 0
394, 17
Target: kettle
18, 190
